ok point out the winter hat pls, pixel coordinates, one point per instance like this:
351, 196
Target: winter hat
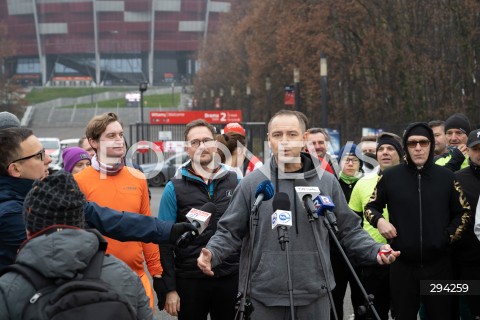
234, 127
8, 120
72, 155
387, 138
473, 138
458, 121
56, 199
349, 152
420, 131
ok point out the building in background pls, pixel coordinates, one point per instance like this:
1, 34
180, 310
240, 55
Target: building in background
107, 42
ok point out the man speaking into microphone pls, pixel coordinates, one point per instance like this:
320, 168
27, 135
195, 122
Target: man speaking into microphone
202, 184
269, 288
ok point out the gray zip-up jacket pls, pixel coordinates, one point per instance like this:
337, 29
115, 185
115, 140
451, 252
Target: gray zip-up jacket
63, 254
269, 271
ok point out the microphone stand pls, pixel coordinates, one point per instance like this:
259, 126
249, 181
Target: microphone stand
331, 223
283, 240
312, 216
245, 307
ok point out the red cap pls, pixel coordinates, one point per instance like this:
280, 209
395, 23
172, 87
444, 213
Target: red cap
234, 127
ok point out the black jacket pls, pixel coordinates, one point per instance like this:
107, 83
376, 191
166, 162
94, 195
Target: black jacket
426, 206
467, 250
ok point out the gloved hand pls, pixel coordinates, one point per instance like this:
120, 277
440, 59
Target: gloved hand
180, 228
161, 291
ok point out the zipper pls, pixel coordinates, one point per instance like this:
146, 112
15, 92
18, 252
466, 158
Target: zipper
419, 179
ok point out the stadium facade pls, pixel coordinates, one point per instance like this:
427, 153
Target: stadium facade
107, 42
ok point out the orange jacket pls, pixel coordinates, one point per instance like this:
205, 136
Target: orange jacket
123, 192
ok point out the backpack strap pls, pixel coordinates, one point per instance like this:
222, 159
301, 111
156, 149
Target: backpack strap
33, 276
94, 268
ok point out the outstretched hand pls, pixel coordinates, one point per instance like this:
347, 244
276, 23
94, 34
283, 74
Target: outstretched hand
386, 255
204, 262
180, 228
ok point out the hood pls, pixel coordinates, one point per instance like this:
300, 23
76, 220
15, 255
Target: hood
61, 254
431, 137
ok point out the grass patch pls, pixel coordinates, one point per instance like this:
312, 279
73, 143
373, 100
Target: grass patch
153, 101
37, 95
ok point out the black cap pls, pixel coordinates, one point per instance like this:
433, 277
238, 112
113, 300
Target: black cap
473, 138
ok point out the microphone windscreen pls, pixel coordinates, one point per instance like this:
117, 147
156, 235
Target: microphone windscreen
265, 187
281, 201
209, 207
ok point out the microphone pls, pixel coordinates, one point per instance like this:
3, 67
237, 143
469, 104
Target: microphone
306, 193
325, 207
199, 219
281, 217
264, 192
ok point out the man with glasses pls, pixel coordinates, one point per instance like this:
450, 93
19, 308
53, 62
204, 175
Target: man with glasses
191, 295
457, 128
22, 160
427, 212
388, 153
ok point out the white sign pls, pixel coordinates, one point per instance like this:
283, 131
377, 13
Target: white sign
165, 135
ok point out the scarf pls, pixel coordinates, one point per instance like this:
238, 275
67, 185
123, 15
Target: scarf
109, 170
350, 179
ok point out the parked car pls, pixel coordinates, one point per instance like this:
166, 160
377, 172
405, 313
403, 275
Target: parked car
159, 173
63, 144
52, 148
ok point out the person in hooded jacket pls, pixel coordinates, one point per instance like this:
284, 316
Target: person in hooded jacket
312, 275
427, 212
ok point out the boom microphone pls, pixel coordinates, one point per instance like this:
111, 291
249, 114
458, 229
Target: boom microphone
306, 193
264, 192
200, 219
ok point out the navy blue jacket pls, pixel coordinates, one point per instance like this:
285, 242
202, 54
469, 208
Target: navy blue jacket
122, 226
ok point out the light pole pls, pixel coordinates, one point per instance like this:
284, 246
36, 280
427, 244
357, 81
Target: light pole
173, 94
220, 99
143, 86
296, 80
212, 96
323, 88
249, 107
268, 89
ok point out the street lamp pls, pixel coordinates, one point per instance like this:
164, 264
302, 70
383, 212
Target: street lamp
212, 96
323, 88
249, 107
143, 86
296, 80
268, 89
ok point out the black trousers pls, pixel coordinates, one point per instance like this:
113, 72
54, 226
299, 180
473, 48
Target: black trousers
376, 280
405, 289
342, 277
199, 297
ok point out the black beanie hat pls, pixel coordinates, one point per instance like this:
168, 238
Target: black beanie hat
458, 121
56, 199
419, 131
386, 138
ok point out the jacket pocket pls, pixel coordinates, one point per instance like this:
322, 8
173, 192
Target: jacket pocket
270, 279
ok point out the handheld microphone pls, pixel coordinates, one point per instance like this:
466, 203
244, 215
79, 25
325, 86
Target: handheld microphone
281, 217
306, 193
325, 207
264, 191
199, 219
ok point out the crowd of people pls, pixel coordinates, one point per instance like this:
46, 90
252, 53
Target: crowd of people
404, 216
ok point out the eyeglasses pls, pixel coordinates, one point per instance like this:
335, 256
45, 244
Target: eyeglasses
40, 155
413, 143
352, 160
207, 142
